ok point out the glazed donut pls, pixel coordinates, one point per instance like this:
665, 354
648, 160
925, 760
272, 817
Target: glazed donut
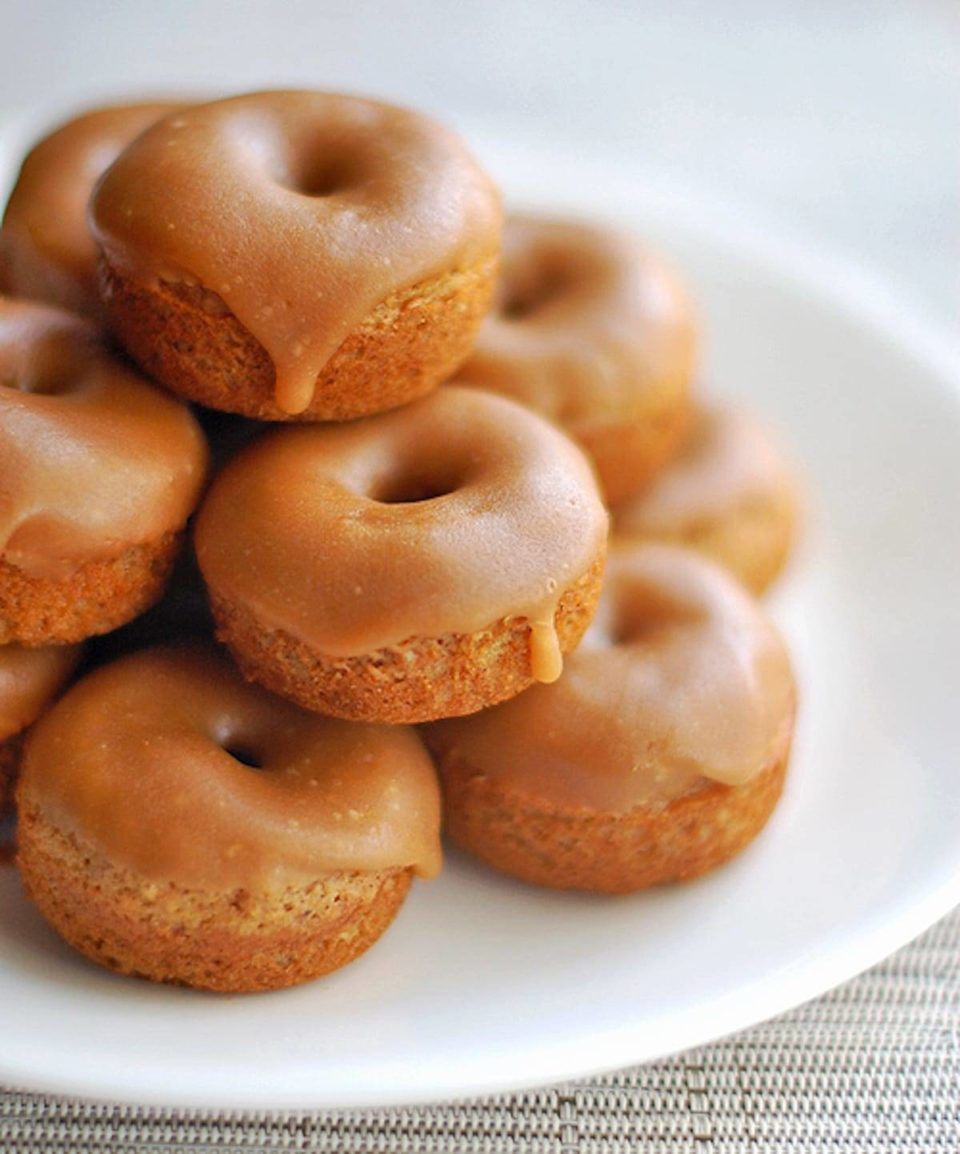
182, 826
98, 474
596, 333
46, 250
422, 563
728, 493
297, 254
658, 755
29, 680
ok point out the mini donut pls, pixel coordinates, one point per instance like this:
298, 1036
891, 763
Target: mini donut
591, 329
297, 254
46, 250
659, 754
422, 563
182, 826
29, 681
728, 493
99, 472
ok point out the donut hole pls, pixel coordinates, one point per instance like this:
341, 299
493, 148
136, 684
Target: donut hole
528, 294
615, 625
306, 167
414, 486
245, 755
642, 612
320, 176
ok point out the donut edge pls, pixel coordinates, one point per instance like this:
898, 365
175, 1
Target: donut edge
99, 596
580, 849
186, 337
422, 679
224, 941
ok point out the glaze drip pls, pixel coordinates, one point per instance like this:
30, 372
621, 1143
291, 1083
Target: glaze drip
546, 660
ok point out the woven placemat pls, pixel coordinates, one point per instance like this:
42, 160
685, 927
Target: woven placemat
873, 1066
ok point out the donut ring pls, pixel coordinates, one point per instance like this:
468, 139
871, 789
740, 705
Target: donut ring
658, 755
98, 474
728, 494
217, 837
595, 332
354, 573
297, 254
46, 250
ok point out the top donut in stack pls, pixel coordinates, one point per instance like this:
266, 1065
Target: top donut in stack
297, 255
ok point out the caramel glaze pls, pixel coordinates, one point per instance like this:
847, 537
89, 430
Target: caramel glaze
301, 211
135, 761
586, 320
46, 250
442, 517
681, 678
29, 679
727, 461
92, 457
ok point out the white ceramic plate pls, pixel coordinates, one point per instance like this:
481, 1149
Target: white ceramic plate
483, 985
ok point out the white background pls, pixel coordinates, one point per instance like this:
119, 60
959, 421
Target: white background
837, 117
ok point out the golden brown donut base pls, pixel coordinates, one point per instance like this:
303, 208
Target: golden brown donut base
98, 596
231, 942
627, 456
185, 337
424, 679
582, 849
752, 540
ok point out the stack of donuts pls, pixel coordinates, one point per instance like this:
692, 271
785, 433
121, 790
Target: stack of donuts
334, 506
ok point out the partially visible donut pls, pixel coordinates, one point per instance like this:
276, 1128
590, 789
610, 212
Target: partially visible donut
420, 564
182, 826
297, 254
46, 250
593, 330
659, 754
728, 493
29, 681
99, 471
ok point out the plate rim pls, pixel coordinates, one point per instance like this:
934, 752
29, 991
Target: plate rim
865, 298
